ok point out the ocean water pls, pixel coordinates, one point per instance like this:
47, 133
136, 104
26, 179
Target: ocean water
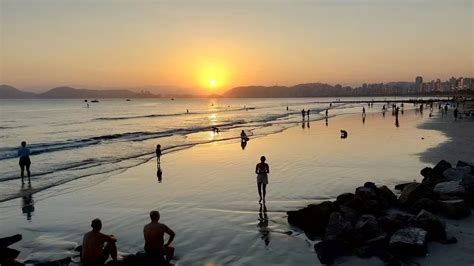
70, 141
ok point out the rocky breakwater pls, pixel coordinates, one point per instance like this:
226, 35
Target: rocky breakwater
374, 221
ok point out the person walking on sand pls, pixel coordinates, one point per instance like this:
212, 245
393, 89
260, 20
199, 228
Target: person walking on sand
97, 247
303, 113
25, 162
327, 112
158, 153
262, 170
307, 113
456, 112
154, 240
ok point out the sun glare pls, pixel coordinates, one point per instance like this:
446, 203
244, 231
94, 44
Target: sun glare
212, 83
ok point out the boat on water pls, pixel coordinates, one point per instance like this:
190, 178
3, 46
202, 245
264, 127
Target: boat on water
127, 100
95, 101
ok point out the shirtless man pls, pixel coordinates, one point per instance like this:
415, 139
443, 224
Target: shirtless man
154, 239
93, 250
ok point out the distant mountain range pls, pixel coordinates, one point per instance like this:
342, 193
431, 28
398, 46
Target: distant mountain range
9, 92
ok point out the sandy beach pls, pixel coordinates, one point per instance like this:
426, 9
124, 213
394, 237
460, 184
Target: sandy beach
208, 193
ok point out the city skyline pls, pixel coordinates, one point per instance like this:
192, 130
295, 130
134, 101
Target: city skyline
212, 46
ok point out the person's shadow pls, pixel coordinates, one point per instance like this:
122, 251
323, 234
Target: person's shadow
159, 172
263, 224
27, 202
243, 144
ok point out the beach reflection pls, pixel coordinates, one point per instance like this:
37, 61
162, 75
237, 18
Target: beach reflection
263, 224
159, 172
27, 202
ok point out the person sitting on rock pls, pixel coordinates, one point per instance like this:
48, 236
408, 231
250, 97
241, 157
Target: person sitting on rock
154, 240
97, 247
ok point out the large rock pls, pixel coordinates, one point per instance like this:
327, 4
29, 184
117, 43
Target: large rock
338, 227
409, 241
455, 209
463, 164
402, 186
425, 204
394, 222
365, 193
344, 197
413, 192
431, 224
386, 196
367, 231
449, 188
456, 174
435, 175
312, 219
329, 250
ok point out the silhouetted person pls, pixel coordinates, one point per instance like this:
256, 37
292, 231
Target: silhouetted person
303, 113
243, 136
363, 111
396, 122
263, 224
287, 108
456, 113
343, 134
25, 162
327, 112
330, 105
262, 170
154, 240
307, 113
97, 247
421, 108
363, 119
27, 203
187, 111
446, 109
158, 153
215, 129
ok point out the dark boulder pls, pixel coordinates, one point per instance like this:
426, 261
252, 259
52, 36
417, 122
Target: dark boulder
345, 197
338, 227
435, 175
365, 193
413, 192
409, 241
367, 231
329, 250
424, 204
425, 171
312, 219
440, 168
449, 188
455, 209
464, 164
394, 222
402, 186
429, 222
386, 196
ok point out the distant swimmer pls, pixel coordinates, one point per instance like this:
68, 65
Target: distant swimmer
25, 162
155, 248
187, 111
158, 153
262, 170
343, 134
97, 247
303, 113
243, 136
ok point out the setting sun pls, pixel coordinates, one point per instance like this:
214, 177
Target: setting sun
212, 83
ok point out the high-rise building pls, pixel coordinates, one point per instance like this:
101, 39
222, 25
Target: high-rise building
419, 84
438, 85
452, 83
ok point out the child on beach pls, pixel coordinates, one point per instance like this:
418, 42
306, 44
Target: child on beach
262, 170
158, 153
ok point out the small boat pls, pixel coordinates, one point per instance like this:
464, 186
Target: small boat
95, 101
127, 100
172, 99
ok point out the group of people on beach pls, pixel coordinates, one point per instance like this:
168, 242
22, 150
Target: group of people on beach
97, 247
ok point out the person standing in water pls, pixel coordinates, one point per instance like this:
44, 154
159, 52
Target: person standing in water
262, 170
158, 153
303, 113
24, 154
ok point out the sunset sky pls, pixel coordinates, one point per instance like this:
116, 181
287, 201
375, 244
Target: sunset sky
214, 45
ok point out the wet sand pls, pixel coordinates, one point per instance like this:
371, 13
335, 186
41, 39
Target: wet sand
208, 194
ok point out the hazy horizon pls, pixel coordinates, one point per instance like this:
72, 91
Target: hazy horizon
207, 47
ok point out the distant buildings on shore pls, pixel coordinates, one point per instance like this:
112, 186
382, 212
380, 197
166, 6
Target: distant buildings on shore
418, 87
